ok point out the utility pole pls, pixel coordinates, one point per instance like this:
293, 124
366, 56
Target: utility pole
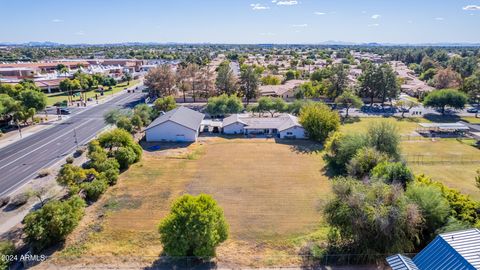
75, 136
19, 130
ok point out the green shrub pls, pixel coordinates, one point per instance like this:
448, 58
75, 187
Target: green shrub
434, 207
111, 175
125, 123
195, 227
364, 161
125, 157
6, 249
393, 173
95, 189
341, 148
371, 219
53, 222
463, 208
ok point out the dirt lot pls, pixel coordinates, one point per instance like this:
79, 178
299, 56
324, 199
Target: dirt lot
271, 194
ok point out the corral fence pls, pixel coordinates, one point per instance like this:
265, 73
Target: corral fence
421, 159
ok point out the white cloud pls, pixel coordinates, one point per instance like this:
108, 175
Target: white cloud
319, 13
376, 16
287, 3
471, 7
374, 25
267, 34
258, 7
80, 33
274, 1
439, 19
300, 25
57, 20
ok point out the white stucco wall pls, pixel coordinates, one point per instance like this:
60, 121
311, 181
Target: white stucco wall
235, 128
171, 132
298, 132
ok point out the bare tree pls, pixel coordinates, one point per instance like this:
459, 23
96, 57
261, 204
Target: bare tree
206, 83
183, 82
192, 73
161, 81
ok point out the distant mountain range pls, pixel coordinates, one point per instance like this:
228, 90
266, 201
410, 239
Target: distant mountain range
329, 42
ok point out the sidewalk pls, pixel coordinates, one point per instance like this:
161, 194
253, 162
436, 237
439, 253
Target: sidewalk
14, 135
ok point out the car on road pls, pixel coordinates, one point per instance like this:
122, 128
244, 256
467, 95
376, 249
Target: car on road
63, 111
472, 110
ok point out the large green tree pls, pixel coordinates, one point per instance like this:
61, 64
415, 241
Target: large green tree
319, 120
471, 87
195, 227
378, 82
338, 80
224, 105
226, 82
349, 100
441, 99
249, 82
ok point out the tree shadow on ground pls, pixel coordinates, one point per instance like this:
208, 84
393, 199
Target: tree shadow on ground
302, 146
449, 118
160, 146
350, 120
187, 263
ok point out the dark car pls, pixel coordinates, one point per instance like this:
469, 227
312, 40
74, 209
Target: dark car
63, 111
472, 110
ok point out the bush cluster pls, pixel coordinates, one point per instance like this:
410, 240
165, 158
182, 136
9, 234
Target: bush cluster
56, 219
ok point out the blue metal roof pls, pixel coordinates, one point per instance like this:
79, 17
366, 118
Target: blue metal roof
400, 262
456, 250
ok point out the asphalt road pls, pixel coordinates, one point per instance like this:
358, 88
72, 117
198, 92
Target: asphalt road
21, 161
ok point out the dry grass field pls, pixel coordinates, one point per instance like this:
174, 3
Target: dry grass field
451, 162
271, 194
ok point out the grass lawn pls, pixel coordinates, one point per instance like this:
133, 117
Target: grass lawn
59, 97
449, 161
271, 194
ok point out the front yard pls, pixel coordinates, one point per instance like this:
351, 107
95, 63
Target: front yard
271, 194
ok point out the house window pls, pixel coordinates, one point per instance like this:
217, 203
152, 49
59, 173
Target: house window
289, 133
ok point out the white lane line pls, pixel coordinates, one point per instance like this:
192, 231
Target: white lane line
64, 121
20, 183
43, 145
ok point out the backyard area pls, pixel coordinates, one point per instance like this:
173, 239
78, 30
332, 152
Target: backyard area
450, 161
271, 194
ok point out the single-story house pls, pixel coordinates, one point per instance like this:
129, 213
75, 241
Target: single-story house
286, 90
284, 126
453, 250
178, 125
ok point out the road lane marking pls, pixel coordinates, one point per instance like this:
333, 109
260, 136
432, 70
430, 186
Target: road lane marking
58, 137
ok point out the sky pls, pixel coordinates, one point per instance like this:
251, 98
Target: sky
240, 21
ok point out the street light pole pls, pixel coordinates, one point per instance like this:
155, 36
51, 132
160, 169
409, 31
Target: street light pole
75, 136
